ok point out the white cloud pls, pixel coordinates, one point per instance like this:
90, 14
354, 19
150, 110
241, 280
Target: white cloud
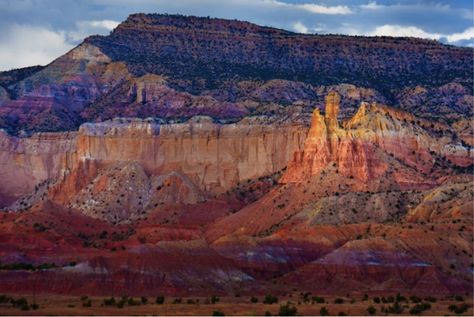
105, 24
320, 9
86, 28
398, 30
468, 34
26, 45
413, 31
371, 6
300, 27
313, 8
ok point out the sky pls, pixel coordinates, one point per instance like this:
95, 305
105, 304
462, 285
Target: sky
35, 32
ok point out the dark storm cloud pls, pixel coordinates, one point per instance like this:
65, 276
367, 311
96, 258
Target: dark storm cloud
37, 31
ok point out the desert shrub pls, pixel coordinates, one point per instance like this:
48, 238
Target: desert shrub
287, 310
306, 297
177, 300
87, 303
253, 299
318, 300
160, 300
25, 307
339, 301
415, 299
458, 310
430, 299
267, 313
109, 301
4, 299
395, 308
371, 310
39, 227
133, 302
324, 311
377, 300
21, 303
419, 308
144, 300
215, 299
270, 299
190, 302
459, 298
400, 298
218, 313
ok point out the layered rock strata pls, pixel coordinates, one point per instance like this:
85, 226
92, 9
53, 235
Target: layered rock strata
213, 157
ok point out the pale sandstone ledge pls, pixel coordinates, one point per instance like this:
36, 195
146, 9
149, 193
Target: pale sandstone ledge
196, 126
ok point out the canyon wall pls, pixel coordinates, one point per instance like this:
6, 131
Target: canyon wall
214, 157
25, 162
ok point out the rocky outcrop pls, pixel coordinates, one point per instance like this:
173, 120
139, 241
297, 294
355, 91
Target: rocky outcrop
450, 202
3, 95
327, 142
364, 147
151, 96
359, 207
211, 157
123, 192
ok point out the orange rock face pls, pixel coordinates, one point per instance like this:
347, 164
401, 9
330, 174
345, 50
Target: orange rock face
212, 157
363, 146
26, 162
327, 142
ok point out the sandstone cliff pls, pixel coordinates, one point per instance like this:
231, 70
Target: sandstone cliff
214, 158
26, 162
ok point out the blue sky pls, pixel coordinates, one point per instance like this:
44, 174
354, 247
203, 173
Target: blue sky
38, 31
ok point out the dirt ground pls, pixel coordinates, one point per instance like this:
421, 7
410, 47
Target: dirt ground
355, 305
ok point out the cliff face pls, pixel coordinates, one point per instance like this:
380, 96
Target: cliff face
364, 147
25, 162
212, 157
215, 157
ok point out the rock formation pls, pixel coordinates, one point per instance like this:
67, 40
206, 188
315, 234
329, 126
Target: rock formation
366, 144
198, 157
